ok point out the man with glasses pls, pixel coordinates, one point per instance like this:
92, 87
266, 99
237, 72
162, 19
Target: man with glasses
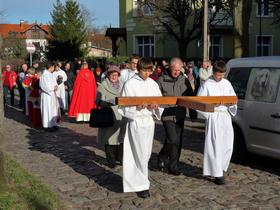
126, 74
9, 79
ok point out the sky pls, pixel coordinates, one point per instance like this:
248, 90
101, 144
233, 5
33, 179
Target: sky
105, 12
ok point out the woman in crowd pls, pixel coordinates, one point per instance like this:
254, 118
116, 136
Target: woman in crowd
112, 137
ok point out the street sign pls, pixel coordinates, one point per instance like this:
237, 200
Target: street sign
30, 48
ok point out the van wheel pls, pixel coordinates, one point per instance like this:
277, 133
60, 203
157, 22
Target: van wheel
240, 152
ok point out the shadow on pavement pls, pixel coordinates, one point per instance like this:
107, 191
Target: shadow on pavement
74, 149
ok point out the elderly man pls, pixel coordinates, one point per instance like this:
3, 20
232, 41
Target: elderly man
173, 83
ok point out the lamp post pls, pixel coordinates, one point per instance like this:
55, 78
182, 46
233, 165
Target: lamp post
260, 25
205, 31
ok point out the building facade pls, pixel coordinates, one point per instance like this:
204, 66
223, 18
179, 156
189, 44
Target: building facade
145, 37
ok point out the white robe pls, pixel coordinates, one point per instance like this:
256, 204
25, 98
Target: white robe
139, 135
61, 88
219, 131
126, 74
49, 102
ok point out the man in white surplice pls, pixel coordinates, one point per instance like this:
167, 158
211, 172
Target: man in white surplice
126, 74
49, 103
61, 77
219, 131
140, 127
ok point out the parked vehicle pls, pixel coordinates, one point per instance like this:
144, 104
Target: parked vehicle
256, 81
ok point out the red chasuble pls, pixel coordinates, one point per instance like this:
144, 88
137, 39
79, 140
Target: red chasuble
83, 97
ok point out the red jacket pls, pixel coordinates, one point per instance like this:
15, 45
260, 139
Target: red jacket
11, 81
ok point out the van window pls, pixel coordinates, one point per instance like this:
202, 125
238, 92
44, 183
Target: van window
263, 85
239, 78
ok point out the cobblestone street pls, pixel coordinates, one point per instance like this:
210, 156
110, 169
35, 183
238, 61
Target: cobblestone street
74, 166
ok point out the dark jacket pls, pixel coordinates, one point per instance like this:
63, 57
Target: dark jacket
70, 79
171, 86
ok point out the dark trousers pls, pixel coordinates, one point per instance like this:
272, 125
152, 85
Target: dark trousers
171, 150
114, 153
21, 96
7, 90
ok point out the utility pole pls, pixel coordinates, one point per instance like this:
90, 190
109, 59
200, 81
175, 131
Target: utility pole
205, 31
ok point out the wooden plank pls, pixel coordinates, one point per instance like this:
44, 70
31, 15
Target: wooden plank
138, 100
202, 103
196, 104
133, 101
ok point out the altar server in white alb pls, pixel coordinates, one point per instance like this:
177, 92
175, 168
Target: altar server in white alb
49, 103
61, 77
218, 145
140, 127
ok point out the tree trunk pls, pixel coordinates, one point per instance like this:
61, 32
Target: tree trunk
241, 18
238, 28
246, 13
182, 47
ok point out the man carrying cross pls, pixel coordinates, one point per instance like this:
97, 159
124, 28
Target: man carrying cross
172, 83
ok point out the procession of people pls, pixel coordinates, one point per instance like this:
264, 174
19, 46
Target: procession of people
55, 89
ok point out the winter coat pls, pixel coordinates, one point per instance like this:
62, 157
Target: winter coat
105, 97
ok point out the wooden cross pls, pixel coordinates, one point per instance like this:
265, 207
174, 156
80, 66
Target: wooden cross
202, 103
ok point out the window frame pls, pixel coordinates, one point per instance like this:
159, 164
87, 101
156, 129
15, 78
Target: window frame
271, 45
136, 45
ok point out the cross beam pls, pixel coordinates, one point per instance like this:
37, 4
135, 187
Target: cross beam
202, 103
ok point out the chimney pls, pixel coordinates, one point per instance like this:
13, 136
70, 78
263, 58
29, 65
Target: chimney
21, 22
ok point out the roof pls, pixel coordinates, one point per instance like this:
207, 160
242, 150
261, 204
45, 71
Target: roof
260, 61
100, 41
5, 29
116, 32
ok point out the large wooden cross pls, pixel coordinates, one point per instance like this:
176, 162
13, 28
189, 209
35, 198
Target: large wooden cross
202, 103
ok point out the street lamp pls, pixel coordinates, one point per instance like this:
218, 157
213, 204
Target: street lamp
205, 31
260, 2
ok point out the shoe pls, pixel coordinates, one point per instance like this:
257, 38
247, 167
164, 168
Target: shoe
112, 165
143, 194
219, 180
161, 165
175, 172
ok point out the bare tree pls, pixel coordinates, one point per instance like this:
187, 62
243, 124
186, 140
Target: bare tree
241, 10
274, 6
182, 19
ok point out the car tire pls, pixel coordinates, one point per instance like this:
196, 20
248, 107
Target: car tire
240, 152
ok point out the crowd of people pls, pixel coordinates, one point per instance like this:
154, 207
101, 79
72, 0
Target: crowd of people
49, 92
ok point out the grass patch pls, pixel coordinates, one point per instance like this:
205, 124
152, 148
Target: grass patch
24, 191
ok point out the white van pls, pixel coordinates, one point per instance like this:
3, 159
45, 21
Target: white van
256, 81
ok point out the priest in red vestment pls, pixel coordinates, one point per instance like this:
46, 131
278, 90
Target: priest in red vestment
83, 97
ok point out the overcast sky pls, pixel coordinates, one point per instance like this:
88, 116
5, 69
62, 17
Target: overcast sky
105, 12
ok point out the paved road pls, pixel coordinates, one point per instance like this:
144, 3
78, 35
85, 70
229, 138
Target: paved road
74, 166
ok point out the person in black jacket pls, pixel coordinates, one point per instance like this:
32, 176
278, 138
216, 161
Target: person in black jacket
69, 83
173, 83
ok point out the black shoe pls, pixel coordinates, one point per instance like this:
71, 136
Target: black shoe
161, 165
219, 180
175, 172
112, 165
143, 194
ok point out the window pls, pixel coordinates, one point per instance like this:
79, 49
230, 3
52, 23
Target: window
239, 78
264, 45
264, 8
216, 47
144, 46
141, 9
263, 85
